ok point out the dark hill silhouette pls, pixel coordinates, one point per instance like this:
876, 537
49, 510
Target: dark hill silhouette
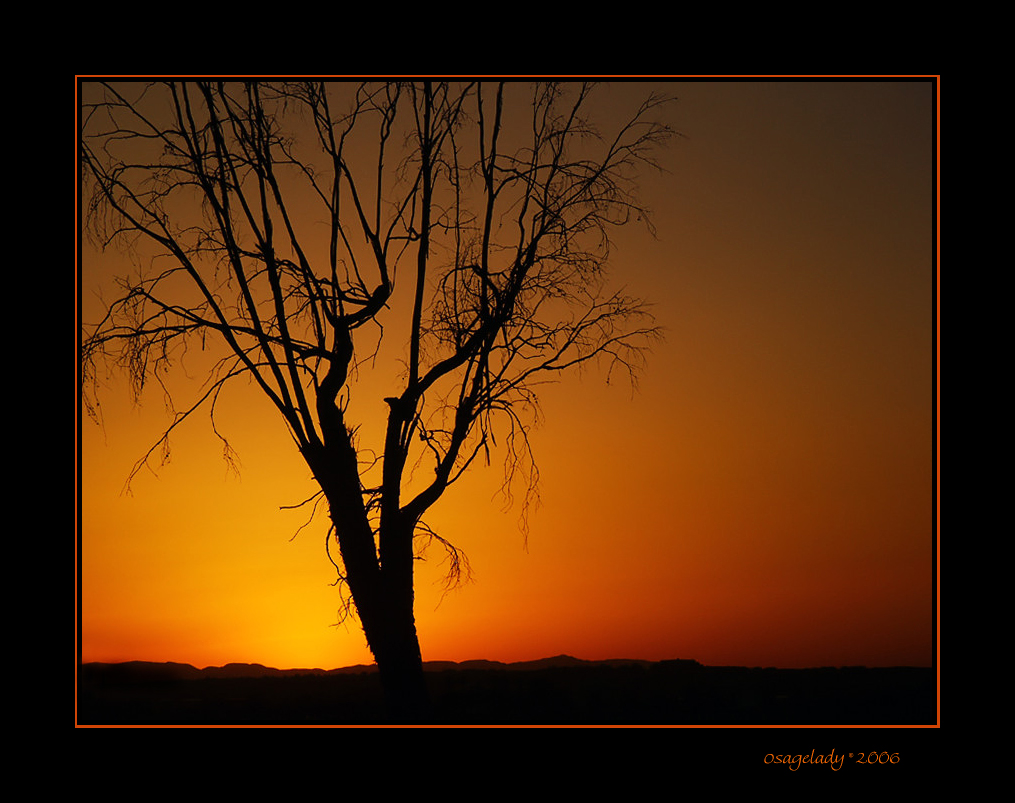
557, 690
155, 671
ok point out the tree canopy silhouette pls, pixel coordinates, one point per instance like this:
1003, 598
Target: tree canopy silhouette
297, 223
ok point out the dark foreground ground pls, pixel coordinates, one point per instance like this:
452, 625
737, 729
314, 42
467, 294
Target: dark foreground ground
563, 691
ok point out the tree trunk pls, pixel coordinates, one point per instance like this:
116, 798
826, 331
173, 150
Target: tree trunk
400, 665
386, 616
381, 584
384, 603
390, 627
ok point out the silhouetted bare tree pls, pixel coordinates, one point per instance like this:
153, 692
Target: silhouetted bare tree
497, 225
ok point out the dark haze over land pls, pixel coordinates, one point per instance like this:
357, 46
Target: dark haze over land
560, 690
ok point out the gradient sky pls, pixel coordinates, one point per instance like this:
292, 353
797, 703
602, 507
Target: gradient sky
763, 499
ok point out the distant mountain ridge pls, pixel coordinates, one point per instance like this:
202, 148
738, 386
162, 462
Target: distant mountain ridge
179, 671
561, 689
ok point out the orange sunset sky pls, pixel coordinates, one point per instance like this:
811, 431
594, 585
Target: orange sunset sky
764, 498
